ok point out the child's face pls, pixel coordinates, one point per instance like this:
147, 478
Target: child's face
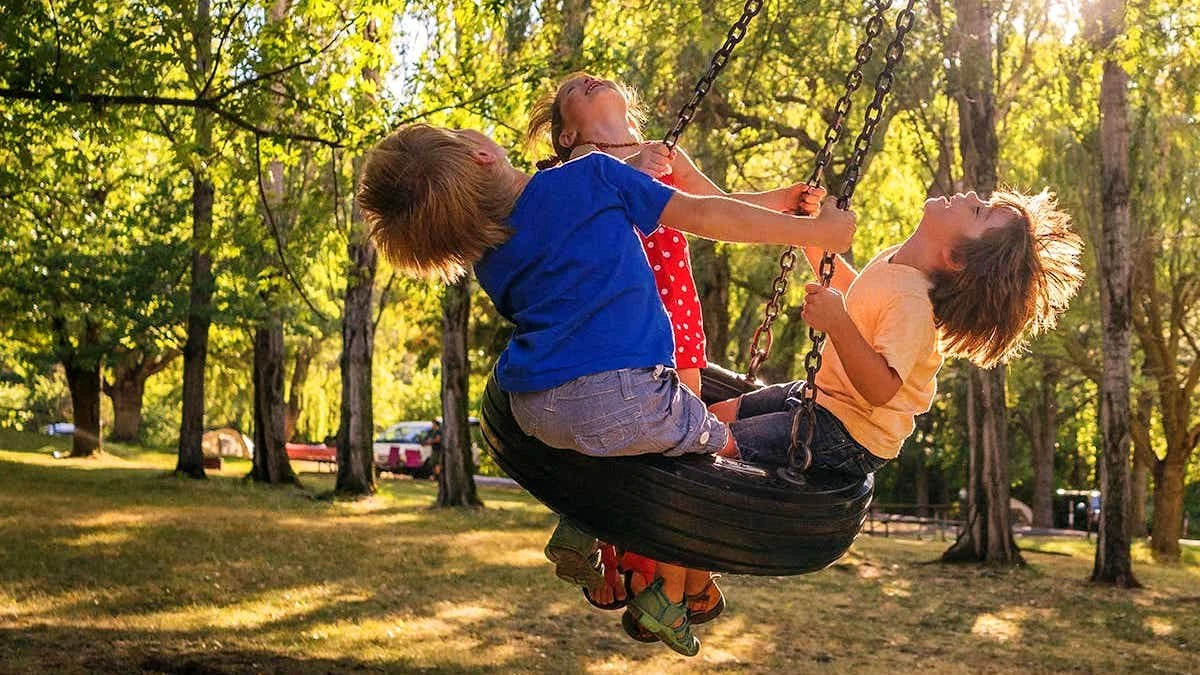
587, 100
964, 215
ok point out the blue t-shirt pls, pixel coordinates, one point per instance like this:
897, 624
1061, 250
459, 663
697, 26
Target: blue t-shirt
574, 278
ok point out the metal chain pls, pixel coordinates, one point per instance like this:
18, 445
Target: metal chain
736, 32
833, 134
812, 360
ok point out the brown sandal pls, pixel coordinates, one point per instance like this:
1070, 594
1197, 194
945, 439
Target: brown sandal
707, 604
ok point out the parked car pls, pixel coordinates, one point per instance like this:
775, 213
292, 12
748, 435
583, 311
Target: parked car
59, 429
414, 448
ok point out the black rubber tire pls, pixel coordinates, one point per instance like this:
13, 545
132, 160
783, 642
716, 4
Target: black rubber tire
701, 511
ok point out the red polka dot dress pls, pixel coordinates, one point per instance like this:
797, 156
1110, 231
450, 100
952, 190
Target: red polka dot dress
667, 251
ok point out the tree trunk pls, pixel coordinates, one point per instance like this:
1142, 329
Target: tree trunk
1168, 510
83, 380
571, 19
126, 391
456, 482
1043, 437
1114, 562
195, 351
356, 462
922, 483
271, 463
295, 400
1137, 500
131, 369
988, 535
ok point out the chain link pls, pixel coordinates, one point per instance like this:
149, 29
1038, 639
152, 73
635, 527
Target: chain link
736, 32
800, 450
833, 134
812, 360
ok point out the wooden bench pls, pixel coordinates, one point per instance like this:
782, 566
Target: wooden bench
936, 525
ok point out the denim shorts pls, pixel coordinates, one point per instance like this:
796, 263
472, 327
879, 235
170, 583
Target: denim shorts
633, 411
763, 431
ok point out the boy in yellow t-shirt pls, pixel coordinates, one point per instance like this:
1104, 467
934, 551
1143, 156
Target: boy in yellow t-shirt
974, 280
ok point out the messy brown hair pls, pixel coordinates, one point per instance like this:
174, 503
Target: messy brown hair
432, 210
1015, 281
546, 119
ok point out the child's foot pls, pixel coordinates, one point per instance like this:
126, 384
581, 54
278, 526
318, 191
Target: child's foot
611, 594
702, 607
707, 604
667, 620
575, 554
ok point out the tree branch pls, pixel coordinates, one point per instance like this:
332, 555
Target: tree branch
102, 100
287, 270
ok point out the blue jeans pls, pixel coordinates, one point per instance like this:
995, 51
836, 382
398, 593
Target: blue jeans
763, 431
631, 411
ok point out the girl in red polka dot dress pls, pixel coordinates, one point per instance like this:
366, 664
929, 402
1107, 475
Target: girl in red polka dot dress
587, 113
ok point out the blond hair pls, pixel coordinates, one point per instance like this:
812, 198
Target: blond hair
1015, 281
546, 121
432, 209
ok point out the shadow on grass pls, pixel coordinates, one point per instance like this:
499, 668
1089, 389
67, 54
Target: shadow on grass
123, 569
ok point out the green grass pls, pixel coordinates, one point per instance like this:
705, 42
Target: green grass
112, 565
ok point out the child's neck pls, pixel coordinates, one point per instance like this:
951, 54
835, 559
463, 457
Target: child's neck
608, 134
517, 180
920, 251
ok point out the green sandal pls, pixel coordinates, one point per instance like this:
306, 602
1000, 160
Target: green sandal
634, 629
658, 615
575, 554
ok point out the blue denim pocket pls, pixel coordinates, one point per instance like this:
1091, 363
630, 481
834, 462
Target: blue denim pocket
611, 432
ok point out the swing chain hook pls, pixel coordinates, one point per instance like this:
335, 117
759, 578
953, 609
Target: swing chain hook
833, 134
735, 35
800, 453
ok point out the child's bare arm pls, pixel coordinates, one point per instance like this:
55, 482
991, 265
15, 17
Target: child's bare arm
689, 178
843, 273
726, 219
867, 369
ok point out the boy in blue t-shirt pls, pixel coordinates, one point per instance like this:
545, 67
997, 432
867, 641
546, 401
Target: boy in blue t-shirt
590, 366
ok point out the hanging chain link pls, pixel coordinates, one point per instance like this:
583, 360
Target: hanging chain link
812, 360
787, 262
736, 32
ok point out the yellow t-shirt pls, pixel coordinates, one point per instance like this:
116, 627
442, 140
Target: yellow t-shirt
890, 305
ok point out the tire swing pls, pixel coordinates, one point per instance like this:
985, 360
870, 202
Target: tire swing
707, 512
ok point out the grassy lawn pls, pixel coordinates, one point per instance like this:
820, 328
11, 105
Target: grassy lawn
111, 565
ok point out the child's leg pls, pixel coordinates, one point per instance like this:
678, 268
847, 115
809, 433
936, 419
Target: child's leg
763, 426
704, 598
660, 611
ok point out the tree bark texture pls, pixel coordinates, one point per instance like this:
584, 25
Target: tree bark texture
1043, 437
131, 368
356, 465
571, 19
356, 429
271, 463
301, 363
456, 482
987, 536
1169, 488
1114, 562
195, 350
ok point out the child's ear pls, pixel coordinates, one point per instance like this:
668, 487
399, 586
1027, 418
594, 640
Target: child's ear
567, 138
951, 259
483, 156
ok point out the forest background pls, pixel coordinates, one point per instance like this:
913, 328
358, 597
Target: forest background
179, 249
